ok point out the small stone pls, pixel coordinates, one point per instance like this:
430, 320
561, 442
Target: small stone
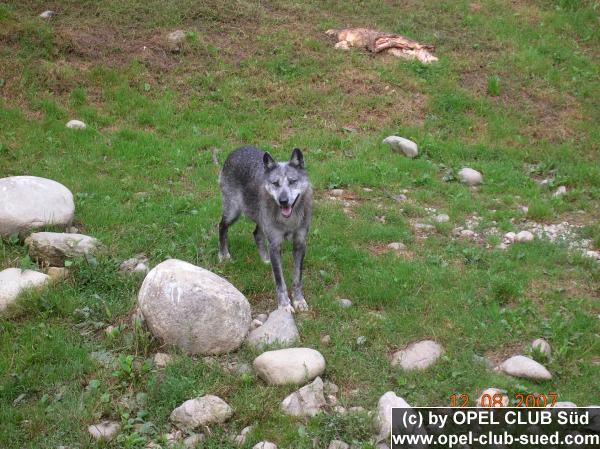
48, 14
509, 238
14, 281
331, 400
193, 440
307, 401
367, 189
338, 444
560, 191
418, 356
349, 129
340, 410
54, 248
468, 234
200, 412
400, 198
524, 236
57, 274
175, 40
255, 324
542, 346
106, 430
109, 330
470, 177
486, 399
326, 339
135, 265
289, 366
264, 445
279, 329
336, 192
162, 359
240, 439
441, 218
76, 124
356, 409
402, 145
344, 303
521, 366
396, 246
361, 340
423, 227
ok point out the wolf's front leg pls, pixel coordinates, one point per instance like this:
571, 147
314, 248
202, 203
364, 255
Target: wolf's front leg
283, 299
299, 250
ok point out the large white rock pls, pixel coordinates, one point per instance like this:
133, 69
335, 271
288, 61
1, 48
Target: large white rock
76, 124
521, 366
307, 401
289, 366
13, 281
470, 177
194, 309
280, 328
53, 248
417, 356
200, 412
384, 413
402, 145
29, 202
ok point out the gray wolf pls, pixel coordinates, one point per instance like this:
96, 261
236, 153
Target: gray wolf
277, 196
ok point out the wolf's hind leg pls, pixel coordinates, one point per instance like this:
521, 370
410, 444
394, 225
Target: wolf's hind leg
226, 221
261, 244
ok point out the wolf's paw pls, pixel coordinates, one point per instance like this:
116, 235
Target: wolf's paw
224, 257
266, 260
300, 305
287, 307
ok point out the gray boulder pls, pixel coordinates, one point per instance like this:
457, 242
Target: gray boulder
194, 309
105, 430
29, 202
53, 248
280, 328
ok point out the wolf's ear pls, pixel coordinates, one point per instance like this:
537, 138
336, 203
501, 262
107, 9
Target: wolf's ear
269, 162
297, 159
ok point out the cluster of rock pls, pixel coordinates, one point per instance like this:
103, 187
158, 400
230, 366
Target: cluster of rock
28, 203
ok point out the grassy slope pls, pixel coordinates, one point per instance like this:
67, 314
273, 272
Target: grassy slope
266, 74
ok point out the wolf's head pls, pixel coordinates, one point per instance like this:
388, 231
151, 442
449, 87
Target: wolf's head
286, 181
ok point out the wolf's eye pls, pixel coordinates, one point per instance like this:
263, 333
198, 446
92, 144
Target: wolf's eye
292, 181
275, 183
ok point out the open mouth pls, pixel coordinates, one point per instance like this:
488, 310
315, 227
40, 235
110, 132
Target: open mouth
286, 211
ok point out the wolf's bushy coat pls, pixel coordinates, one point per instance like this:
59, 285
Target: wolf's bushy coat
254, 184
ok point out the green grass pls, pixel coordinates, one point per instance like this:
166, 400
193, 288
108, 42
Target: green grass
516, 87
